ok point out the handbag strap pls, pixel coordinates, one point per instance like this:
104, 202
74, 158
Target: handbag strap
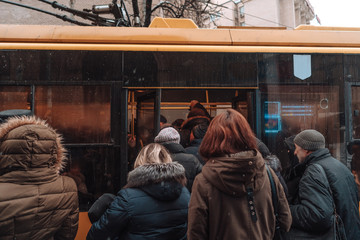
322, 170
273, 196
336, 215
331, 193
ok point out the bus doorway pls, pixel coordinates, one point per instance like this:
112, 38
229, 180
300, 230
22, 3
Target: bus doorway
143, 119
246, 103
147, 117
353, 128
145, 109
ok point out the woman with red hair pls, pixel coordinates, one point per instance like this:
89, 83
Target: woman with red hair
231, 197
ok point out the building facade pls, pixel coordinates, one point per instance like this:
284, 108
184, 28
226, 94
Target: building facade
265, 13
250, 13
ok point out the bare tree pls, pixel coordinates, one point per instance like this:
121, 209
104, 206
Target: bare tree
127, 12
201, 12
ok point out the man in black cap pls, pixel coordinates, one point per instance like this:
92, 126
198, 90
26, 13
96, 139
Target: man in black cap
196, 137
326, 183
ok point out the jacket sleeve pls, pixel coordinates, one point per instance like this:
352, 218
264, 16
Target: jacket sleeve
69, 227
198, 212
198, 166
315, 208
100, 206
283, 206
113, 221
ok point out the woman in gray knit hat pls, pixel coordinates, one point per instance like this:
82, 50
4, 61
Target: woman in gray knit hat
313, 207
170, 139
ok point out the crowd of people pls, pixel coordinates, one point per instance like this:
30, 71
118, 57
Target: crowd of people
200, 178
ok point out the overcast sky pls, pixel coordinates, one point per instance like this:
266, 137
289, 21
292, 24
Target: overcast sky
342, 13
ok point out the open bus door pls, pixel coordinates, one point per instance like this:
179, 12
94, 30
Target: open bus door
352, 118
353, 124
246, 104
147, 124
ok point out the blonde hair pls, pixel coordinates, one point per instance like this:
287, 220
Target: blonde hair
152, 153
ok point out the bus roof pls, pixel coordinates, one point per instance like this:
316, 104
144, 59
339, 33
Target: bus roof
303, 36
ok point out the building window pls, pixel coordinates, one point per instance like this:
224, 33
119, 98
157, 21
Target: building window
242, 11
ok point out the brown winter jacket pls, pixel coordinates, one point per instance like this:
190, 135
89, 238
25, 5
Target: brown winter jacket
35, 201
219, 206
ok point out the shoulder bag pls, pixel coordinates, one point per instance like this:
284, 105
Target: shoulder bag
278, 233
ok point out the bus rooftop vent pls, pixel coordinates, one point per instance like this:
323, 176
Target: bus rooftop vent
172, 23
326, 28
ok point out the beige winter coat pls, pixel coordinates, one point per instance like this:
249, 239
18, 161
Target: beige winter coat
35, 201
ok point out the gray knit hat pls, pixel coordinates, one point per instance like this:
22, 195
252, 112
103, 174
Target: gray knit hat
310, 140
168, 135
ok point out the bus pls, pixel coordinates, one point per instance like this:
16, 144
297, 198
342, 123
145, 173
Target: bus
100, 86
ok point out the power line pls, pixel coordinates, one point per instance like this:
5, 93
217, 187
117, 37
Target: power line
233, 10
268, 20
210, 3
62, 17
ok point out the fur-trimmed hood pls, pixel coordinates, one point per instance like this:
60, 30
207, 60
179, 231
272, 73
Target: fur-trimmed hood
29, 143
163, 181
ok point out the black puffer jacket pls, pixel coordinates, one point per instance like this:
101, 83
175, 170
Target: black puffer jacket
314, 209
194, 149
191, 163
153, 205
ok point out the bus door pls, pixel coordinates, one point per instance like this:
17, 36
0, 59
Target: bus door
147, 122
352, 113
246, 104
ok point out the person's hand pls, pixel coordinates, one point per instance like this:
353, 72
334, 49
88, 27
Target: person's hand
132, 141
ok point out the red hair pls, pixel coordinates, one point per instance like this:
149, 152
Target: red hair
228, 133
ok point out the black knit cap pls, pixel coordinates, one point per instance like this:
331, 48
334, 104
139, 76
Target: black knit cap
310, 139
200, 130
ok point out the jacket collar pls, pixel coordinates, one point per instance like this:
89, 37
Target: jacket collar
195, 143
155, 173
162, 181
317, 156
174, 147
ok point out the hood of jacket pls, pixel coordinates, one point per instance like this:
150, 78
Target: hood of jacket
29, 147
191, 122
237, 172
162, 181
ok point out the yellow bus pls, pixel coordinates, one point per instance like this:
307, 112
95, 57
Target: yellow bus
100, 85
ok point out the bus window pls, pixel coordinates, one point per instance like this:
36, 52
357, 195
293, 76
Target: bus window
80, 113
289, 110
175, 103
15, 97
92, 168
